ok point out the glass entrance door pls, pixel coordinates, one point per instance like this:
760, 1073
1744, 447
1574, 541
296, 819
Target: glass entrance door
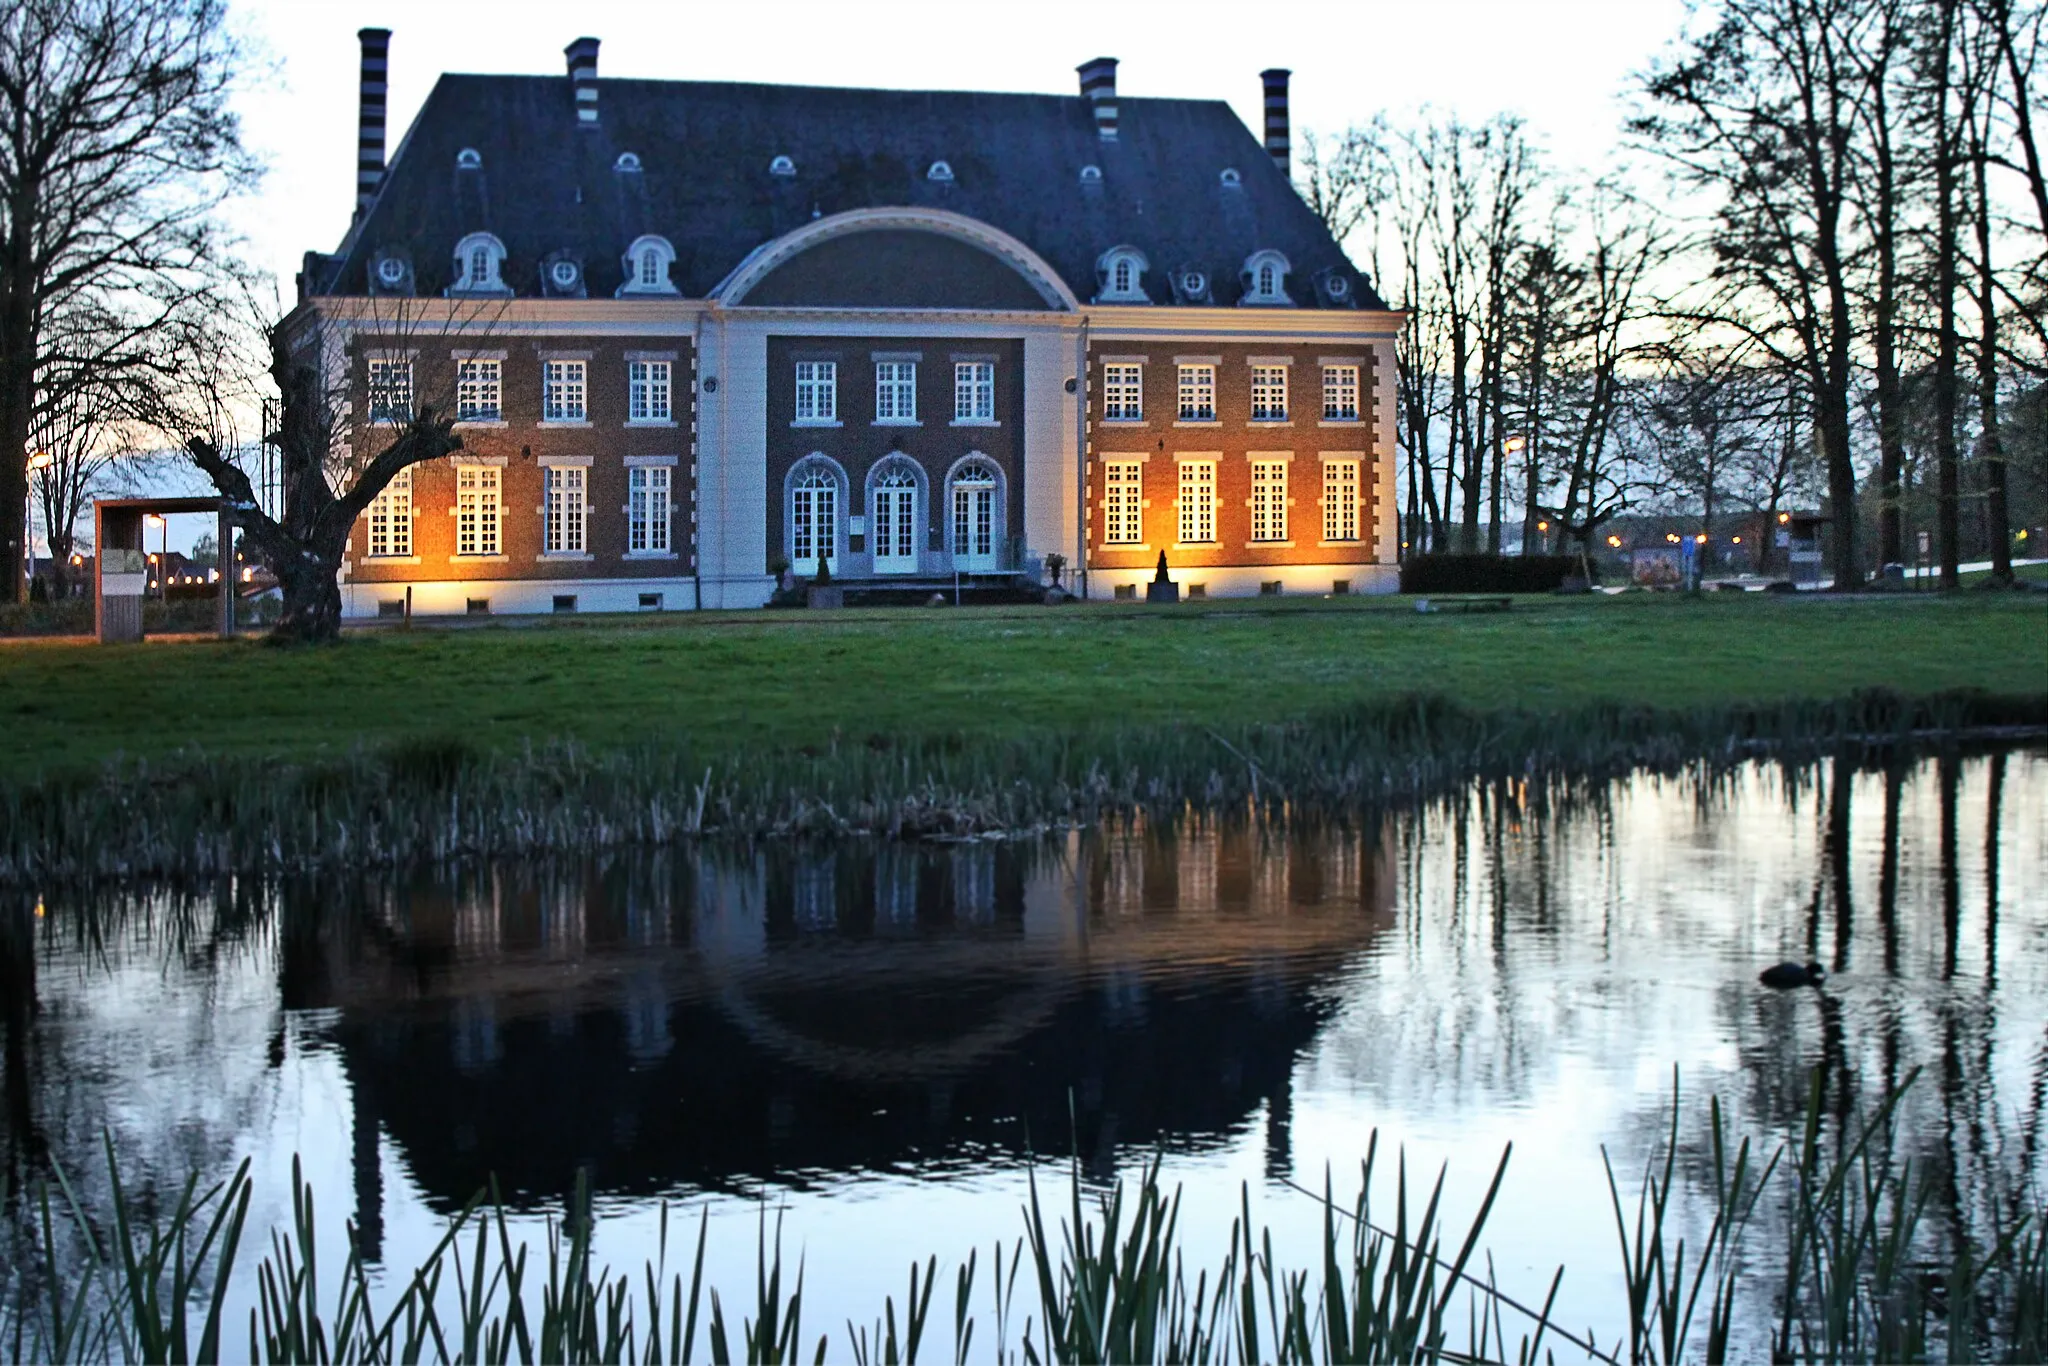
976, 518
895, 523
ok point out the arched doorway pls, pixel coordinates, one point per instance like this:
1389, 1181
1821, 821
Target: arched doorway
977, 515
894, 520
815, 505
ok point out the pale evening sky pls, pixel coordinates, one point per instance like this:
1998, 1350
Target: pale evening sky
1562, 64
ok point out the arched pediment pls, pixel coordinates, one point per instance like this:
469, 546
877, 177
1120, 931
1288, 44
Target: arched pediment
896, 258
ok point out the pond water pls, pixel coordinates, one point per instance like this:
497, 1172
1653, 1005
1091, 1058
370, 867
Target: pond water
877, 1042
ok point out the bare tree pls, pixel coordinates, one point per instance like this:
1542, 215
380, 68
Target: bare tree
116, 147
1759, 113
78, 442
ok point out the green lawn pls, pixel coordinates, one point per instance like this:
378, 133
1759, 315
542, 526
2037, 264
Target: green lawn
744, 682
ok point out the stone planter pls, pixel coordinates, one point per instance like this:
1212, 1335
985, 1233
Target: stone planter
1162, 592
827, 595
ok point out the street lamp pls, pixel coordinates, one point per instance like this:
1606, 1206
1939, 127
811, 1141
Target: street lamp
37, 460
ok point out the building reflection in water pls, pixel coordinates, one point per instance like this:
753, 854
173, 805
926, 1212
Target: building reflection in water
719, 1019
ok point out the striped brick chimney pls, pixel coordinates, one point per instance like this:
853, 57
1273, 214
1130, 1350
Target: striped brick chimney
1098, 87
1276, 119
582, 55
370, 116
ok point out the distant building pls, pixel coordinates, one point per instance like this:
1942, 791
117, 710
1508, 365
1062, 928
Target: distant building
699, 333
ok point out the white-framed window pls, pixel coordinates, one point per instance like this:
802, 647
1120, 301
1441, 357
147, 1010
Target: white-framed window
479, 390
1269, 393
568, 508
1197, 393
390, 390
977, 514
813, 518
1265, 278
1123, 393
1123, 276
391, 517
974, 391
566, 391
1269, 500
1197, 502
479, 265
646, 266
647, 518
647, 391
817, 391
479, 502
1123, 502
1340, 393
1340, 500
896, 391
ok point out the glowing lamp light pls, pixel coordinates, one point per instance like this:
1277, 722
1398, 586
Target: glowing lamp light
248, 576
1784, 517
1513, 444
152, 557
155, 519
1543, 526
41, 460
1736, 540
1700, 539
1672, 537
1614, 541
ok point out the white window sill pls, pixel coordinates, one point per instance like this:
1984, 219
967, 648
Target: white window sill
479, 559
562, 422
1269, 545
563, 557
1198, 422
651, 422
1341, 422
474, 423
1270, 422
1342, 545
974, 422
817, 422
372, 561
1125, 422
1123, 547
896, 422
652, 555
1197, 545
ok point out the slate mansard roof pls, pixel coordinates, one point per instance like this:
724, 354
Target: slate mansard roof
547, 186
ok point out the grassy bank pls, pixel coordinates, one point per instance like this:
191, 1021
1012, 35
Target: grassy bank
1830, 1248
721, 686
200, 759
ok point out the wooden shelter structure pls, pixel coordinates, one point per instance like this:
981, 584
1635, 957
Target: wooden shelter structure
121, 576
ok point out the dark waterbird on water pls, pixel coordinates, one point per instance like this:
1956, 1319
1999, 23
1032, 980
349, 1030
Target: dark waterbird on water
1793, 975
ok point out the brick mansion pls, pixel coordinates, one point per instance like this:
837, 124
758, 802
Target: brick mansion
698, 336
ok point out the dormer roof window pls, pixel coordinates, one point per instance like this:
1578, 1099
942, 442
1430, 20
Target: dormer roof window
469, 159
782, 166
1123, 276
628, 161
647, 264
1091, 175
1265, 278
479, 265
940, 171
1230, 178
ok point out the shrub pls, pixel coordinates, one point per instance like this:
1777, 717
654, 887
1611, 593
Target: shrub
1489, 573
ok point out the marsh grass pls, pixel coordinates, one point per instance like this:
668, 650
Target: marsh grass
440, 798
1845, 1218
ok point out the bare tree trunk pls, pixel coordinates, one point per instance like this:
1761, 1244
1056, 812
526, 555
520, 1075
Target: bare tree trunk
18, 346
1883, 209
1991, 446
1947, 527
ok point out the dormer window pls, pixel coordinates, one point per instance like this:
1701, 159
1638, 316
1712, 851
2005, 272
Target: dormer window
391, 272
1091, 175
782, 166
1265, 278
563, 273
1230, 178
628, 161
939, 171
647, 265
1123, 276
469, 159
479, 265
